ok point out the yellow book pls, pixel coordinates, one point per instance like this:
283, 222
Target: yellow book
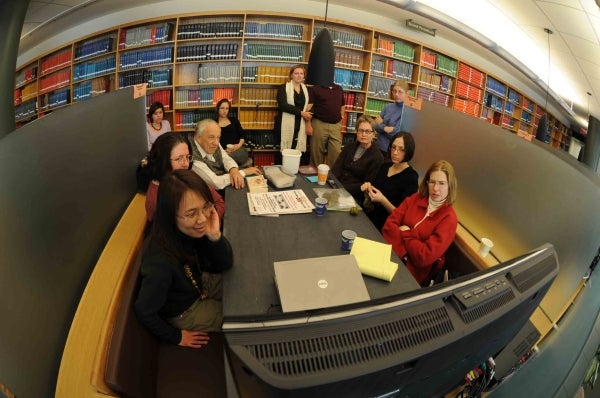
373, 258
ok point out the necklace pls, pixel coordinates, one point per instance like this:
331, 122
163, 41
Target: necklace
188, 272
159, 126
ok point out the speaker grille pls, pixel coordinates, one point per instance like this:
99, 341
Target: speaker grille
526, 279
321, 354
472, 314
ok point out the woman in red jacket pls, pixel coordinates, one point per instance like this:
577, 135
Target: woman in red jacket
422, 228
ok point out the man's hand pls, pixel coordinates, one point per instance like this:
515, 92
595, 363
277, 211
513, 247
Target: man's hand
252, 170
237, 181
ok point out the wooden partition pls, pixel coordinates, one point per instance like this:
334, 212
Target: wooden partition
65, 181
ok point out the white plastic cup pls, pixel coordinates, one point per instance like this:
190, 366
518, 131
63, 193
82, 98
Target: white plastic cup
348, 237
290, 161
485, 246
322, 174
320, 206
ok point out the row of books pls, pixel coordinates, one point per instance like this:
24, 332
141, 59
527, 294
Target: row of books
527, 105
25, 93
218, 73
513, 96
187, 120
91, 88
210, 29
147, 57
439, 62
257, 119
348, 59
26, 110
374, 106
162, 96
94, 47
25, 76
154, 77
465, 90
349, 123
354, 101
379, 87
144, 35
490, 115
55, 99
203, 52
471, 75
433, 96
274, 52
392, 69
466, 106
262, 140
55, 80
274, 30
508, 121
206, 96
395, 49
437, 82
509, 108
88, 70
494, 102
349, 79
495, 86
526, 117
56, 62
263, 159
344, 38
258, 96
265, 74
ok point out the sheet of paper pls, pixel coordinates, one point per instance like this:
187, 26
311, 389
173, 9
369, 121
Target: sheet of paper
279, 202
373, 258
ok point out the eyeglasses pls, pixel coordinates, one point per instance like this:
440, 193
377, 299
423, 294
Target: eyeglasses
182, 159
395, 148
363, 131
192, 215
434, 183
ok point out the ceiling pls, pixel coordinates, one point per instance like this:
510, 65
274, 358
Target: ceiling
575, 44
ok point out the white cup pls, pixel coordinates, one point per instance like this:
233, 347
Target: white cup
322, 174
485, 246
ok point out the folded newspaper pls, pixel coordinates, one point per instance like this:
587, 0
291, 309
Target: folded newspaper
279, 202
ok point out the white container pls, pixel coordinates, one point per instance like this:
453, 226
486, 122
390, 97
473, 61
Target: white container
290, 161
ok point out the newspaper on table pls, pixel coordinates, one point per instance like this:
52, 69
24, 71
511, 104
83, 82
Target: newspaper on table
279, 202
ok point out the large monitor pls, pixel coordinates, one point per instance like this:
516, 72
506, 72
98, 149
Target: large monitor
416, 344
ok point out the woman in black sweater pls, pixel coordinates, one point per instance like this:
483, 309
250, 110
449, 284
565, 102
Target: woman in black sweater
180, 294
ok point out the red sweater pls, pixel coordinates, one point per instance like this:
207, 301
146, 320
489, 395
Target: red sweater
426, 244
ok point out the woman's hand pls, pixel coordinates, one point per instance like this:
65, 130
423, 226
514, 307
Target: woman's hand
306, 115
213, 226
193, 339
365, 187
376, 195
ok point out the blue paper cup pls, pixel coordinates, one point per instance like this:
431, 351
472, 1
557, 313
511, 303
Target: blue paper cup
320, 206
348, 239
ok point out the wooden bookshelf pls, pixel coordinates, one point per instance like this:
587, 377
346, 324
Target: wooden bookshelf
190, 62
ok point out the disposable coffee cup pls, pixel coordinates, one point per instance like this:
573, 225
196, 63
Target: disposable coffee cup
320, 206
485, 246
322, 174
348, 237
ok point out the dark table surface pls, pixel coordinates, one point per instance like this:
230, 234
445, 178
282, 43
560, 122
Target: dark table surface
259, 241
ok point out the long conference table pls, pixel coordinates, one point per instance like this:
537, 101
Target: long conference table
249, 290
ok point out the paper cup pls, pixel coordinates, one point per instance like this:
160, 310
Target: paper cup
320, 206
485, 247
348, 237
322, 174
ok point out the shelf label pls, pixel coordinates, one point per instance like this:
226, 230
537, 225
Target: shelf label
139, 90
414, 102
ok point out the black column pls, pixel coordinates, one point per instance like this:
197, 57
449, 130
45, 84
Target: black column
12, 15
591, 151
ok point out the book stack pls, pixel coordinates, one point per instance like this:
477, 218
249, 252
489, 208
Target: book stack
141, 58
93, 48
349, 79
257, 184
95, 68
56, 62
210, 29
55, 80
274, 30
344, 38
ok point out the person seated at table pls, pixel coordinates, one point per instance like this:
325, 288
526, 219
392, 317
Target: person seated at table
170, 151
394, 181
388, 122
180, 293
156, 125
423, 227
360, 160
211, 161
233, 136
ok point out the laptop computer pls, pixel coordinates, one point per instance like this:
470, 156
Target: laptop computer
319, 282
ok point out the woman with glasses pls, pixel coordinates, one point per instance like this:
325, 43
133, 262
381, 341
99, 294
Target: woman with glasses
233, 136
170, 151
389, 121
423, 227
394, 181
360, 160
180, 293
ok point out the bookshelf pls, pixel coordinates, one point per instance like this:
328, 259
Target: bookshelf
190, 62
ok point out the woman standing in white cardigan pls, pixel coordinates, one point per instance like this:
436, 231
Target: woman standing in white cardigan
292, 104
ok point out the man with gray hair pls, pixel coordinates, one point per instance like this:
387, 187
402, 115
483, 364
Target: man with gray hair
211, 161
